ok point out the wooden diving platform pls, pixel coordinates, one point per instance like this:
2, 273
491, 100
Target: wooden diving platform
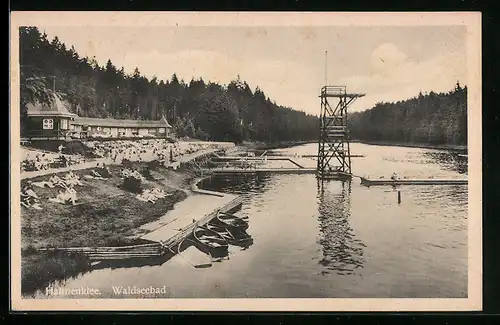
430, 181
338, 91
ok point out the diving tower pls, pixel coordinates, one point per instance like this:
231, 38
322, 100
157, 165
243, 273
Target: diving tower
334, 156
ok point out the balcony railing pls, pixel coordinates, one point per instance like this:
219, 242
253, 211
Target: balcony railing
59, 134
333, 90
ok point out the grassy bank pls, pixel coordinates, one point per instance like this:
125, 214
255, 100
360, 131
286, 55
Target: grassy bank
415, 145
105, 215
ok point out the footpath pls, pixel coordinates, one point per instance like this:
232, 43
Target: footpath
107, 161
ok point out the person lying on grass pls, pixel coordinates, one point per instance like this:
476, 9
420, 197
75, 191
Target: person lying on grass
71, 179
65, 197
151, 195
29, 198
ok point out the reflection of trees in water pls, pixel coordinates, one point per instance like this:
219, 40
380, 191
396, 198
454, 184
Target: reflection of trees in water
449, 160
342, 251
238, 184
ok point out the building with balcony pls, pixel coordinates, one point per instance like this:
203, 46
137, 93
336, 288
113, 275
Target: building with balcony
55, 122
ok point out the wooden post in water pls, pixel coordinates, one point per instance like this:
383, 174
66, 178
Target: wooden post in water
399, 197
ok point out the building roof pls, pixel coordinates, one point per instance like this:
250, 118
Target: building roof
121, 123
59, 107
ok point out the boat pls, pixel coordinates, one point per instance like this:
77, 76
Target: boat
230, 220
209, 238
234, 236
224, 232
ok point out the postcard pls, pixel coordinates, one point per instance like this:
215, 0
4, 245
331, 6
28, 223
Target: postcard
244, 161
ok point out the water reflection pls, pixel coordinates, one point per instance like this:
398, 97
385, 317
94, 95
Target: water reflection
342, 251
449, 160
244, 185
133, 262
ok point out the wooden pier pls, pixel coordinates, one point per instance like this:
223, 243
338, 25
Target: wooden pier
431, 181
171, 234
162, 237
115, 252
347, 156
250, 171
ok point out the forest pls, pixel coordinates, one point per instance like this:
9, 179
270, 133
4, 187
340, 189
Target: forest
211, 111
433, 118
198, 109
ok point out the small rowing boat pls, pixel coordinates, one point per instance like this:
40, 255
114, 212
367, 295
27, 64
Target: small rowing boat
209, 238
230, 220
224, 232
234, 236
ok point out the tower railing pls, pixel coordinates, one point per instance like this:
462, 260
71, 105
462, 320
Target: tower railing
333, 90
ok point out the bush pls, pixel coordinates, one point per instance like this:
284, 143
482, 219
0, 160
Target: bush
104, 172
127, 164
132, 184
146, 172
153, 164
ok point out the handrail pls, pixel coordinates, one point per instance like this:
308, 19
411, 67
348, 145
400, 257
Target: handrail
333, 90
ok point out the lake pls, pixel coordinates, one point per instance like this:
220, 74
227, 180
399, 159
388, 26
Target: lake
330, 239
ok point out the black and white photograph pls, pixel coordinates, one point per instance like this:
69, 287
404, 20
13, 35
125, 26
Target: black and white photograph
171, 161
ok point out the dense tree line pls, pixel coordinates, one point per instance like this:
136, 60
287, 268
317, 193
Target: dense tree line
198, 109
433, 118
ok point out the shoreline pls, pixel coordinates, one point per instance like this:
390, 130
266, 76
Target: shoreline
107, 214
259, 146
454, 147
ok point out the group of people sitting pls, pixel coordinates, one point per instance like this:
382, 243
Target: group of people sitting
132, 150
68, 180
126, 173
65, 195
36, 160
151, 195
101, 172
146, 150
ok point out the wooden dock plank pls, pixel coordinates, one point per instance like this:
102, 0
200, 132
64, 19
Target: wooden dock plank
195, 209
222, 171
430, 181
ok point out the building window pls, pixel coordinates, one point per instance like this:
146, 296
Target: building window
48, 124
64, 124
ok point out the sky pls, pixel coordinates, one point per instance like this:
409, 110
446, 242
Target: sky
387, 63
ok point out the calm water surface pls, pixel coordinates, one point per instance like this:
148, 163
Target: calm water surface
336, 239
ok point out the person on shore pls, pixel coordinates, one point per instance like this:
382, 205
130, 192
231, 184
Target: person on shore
394, 176
65, 197
29, 198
